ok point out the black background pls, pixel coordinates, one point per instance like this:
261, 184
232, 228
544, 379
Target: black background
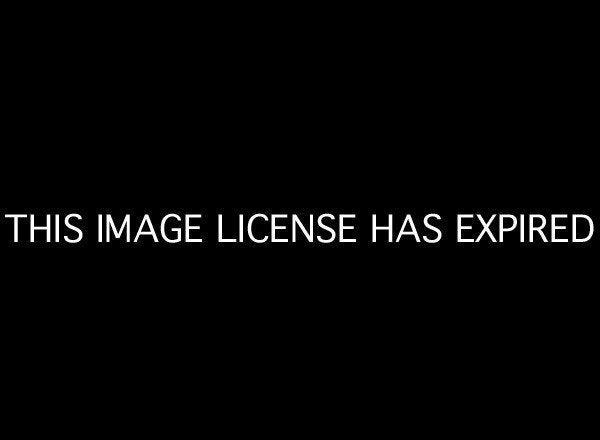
381, 113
